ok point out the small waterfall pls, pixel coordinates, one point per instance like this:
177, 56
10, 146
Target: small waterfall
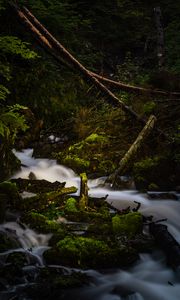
45, 169
149, 278
32, 243
27, 237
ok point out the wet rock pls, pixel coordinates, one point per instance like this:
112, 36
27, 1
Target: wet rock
8, 240
3, 201
18, 258
163, 195
11, 190
61, 284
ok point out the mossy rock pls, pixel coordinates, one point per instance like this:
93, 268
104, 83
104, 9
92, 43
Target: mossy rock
11, 190
85, 252
71, 205
100, 229
128, 224
96, 138
89, 155
87, 216
76, 163
41, 223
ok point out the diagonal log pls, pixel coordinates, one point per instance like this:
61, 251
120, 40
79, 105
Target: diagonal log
112, 83
128, 158
132, 88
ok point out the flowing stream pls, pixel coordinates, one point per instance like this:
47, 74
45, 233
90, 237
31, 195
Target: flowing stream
149, 278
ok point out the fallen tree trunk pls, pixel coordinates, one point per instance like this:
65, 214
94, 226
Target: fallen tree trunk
167, 243
127, 159
131, 88
37, 185
115, 84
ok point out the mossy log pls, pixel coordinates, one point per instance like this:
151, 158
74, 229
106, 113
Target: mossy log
83, 200
43, 200
128, 158
37, 186
167, 243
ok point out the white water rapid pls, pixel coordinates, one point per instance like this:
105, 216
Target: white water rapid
149, 279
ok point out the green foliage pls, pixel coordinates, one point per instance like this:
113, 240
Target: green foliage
3, 92
13, 45
131, 71
10, 189
149, 107
11, 121
2, 7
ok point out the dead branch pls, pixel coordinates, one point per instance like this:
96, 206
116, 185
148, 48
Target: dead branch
131, 153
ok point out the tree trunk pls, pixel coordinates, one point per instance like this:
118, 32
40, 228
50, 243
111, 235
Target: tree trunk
128, 158
160, 37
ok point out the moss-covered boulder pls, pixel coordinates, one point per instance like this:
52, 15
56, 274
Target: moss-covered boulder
87, 216
41, 223
10, 189
71, 205
128, 224
90, 155
85, 252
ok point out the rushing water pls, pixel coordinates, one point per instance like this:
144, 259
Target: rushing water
149, 278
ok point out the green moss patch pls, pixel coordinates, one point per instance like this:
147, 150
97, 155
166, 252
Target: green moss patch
128, 224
